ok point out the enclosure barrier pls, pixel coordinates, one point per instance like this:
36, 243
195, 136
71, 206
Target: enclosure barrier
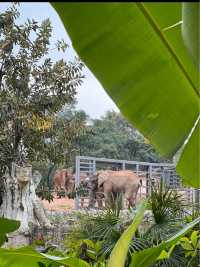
153, 172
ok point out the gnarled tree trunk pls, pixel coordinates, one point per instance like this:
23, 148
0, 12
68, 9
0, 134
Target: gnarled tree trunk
19, 200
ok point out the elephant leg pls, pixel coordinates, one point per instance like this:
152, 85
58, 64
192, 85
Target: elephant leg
107, 188
91, 199
131, 200
82, 202
122, 201
100, 203
99, 200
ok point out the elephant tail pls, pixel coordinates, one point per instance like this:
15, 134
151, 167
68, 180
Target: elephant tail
139, 184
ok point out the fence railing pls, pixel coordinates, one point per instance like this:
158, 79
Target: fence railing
153, 172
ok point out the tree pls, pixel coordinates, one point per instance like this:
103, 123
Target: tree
112, 136
33, 89
68, 125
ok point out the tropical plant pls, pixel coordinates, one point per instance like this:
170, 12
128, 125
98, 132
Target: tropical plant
28, 256
148, 256
191, 245
165, 203
106, 228
168, 210
146, 58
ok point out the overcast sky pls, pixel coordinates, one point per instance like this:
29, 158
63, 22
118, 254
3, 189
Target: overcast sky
91, 96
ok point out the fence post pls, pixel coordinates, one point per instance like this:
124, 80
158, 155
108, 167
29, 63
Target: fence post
77, 182
137, 168
149, 181
94, 166
123, 166
197, 199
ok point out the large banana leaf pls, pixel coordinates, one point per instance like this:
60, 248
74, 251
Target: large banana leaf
26, 256
137, 52
191, 30
119, 253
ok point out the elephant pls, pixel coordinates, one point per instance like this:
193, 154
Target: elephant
114, 182
63, 180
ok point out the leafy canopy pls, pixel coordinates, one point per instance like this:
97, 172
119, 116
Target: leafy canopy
33, 88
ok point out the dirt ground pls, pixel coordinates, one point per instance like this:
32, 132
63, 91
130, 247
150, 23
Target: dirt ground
59, 204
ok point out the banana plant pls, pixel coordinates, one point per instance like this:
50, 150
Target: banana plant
119, 253
145, 55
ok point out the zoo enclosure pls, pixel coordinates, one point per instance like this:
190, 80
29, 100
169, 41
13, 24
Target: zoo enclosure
151, 171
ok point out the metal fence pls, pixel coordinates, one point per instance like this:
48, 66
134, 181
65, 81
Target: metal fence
152, 172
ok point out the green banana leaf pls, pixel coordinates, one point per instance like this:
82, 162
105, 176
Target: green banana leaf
191, 31
7, 226
137, 52
26, 256
148, 256
119, 253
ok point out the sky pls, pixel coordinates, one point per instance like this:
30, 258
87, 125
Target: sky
91, 97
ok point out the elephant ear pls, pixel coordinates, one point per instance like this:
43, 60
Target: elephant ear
101, 179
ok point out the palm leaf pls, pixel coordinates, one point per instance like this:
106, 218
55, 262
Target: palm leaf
137, 52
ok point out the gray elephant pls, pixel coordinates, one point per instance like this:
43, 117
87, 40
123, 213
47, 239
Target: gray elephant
125, 182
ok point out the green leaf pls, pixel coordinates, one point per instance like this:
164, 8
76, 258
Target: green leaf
188, 165
7, 226
180, 233
186, 246
190, 30
146, 257
194, 238
163, 255
26, 256
118, 255
2, 239
141, 60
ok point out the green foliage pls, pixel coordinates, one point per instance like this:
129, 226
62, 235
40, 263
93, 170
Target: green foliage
190, 30
26, 256
106, 228
168, 210
165, 203
33, 88
69, 124
148, 256
112, 136
7, 226
191, 245
119, 253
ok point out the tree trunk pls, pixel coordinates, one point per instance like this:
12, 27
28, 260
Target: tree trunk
19, 200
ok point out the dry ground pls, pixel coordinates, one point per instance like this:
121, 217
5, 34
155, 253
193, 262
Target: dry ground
59, 204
